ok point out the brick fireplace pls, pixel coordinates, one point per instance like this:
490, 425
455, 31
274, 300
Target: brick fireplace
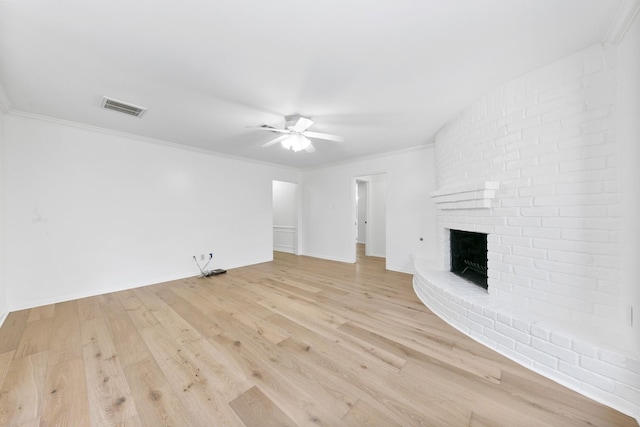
533, 164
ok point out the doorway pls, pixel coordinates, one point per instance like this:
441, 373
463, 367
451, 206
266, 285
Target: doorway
285, 217
362, 193
370, 208
362, 196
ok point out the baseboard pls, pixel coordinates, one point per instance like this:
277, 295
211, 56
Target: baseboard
287, 249
327, 257
132, 285
375, 255
92, 293
400, 269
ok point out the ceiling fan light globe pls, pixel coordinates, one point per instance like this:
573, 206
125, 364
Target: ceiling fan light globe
296, 142
287, 143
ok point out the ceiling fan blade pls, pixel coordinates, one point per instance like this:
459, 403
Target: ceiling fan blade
274, 141
270, 128
302, 124
310, 148
326, 136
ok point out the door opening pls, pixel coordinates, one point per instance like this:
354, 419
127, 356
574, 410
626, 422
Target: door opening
285, 217
370, 208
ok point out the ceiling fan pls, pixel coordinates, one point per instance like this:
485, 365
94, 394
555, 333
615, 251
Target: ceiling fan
296, 136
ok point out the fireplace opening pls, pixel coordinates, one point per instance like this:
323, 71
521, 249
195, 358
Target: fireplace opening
469, 256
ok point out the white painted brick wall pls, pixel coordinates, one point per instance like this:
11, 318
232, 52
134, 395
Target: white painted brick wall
548, 138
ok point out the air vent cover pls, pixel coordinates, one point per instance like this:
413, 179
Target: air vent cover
122, 107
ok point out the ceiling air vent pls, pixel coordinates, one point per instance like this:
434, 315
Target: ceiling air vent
123, 107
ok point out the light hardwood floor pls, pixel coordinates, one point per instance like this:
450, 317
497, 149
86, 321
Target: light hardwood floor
297, 341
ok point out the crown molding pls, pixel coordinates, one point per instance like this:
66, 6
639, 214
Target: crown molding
625, 15
145, 139
373, 156
205, 151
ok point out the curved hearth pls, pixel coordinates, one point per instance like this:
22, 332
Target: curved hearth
538, 345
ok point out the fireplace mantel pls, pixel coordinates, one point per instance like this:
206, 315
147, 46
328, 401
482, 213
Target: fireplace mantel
468, 196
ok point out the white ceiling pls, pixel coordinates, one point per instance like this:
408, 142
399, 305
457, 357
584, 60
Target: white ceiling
386, 75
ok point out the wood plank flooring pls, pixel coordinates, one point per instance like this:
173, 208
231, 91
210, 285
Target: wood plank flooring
295, 342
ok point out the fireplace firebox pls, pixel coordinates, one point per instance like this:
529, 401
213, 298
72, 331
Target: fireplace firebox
469, 256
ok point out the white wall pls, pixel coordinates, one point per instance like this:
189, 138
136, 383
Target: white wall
4, 307
328, 196
90, 212
628, 133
